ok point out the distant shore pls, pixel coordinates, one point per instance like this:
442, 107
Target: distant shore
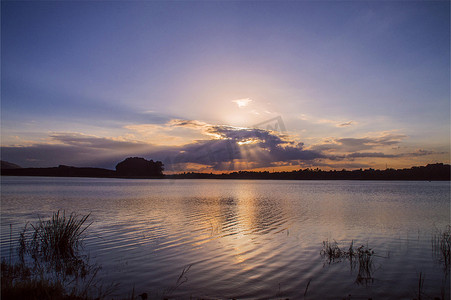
430, 172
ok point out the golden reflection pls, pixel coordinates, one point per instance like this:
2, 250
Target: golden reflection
240, 257
234, 221
218, 219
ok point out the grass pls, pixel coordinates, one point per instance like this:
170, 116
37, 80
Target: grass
59, 237
18, 282
441, 246
53, 247
51, 264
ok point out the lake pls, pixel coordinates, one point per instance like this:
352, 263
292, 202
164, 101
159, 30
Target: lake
246, 239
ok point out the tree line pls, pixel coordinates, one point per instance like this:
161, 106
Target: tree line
137, 167
438, 171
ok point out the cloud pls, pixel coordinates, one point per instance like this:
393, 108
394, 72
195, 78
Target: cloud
47, 155
187, 123
94, 142
222, 148
319, 121
215, 148
345, 124
76, 149
422, 152
370, 154
359, 144
175, 132
357, 155
237, 146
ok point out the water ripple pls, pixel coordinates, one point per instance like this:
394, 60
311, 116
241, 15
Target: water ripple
244, 239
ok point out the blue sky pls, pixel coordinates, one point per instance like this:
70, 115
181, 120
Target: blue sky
355, 83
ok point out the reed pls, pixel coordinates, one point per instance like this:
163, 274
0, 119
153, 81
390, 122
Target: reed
331, 251
181, 280
363, 255
51, 261
18, 283
59, 237
365, 258
441, 246
53, 247
420, 286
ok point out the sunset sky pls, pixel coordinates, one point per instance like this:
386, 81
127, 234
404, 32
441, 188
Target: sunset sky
221, 86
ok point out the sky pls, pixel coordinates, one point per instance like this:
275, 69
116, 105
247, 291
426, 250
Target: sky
220, 86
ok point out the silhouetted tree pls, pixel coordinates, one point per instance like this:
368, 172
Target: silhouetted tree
138, 166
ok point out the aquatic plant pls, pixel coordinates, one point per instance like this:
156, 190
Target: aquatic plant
181, 280
420, 286
363, 256
50, 261
59, 237
441, 246
18, 282
54, 246
365, 259
331, 251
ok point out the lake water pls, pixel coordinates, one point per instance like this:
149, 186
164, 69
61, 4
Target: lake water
246, 239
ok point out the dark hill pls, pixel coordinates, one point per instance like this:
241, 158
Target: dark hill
60, 171
132, 167
7, 165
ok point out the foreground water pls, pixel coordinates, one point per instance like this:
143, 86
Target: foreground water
245, 239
